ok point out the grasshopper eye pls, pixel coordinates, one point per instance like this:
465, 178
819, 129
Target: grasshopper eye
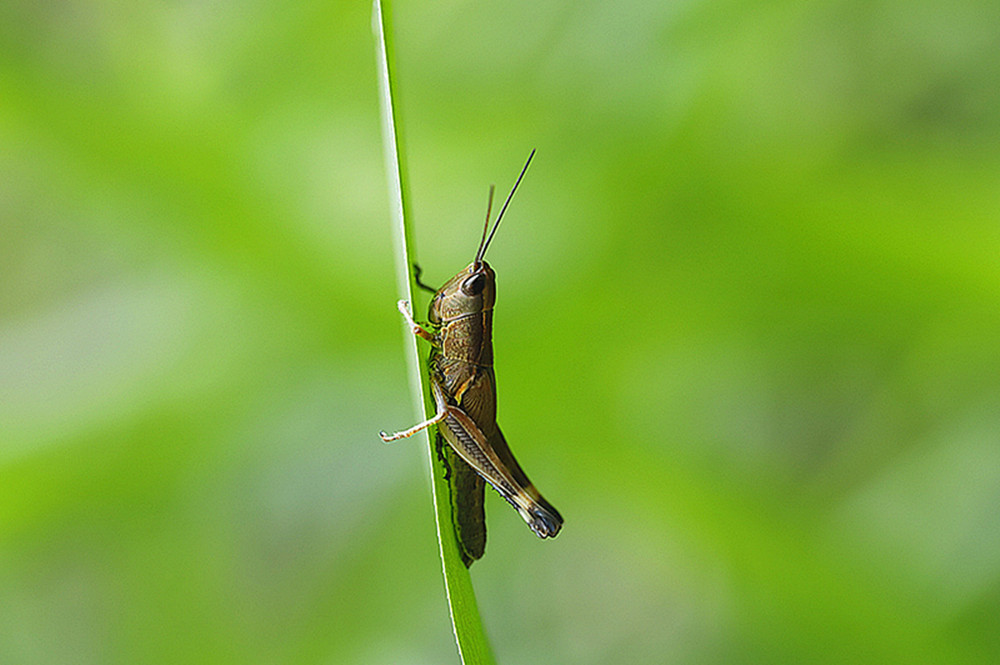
474, 285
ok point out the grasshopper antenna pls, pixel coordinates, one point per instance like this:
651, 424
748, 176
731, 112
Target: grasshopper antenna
484, 246
489, 206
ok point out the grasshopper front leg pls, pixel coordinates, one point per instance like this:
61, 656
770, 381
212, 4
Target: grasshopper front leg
442, 405
404, 308
417, 272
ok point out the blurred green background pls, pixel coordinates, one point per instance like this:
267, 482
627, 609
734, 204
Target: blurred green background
746, 337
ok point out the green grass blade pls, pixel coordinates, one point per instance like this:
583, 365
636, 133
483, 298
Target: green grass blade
466, 623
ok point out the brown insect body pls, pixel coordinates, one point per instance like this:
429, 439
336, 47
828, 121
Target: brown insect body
462, 364
464, 386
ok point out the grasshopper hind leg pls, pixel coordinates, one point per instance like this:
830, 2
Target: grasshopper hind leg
544, 519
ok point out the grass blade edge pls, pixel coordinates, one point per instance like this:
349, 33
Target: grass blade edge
467, 626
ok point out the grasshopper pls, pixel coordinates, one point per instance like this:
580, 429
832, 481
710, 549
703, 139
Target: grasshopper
465, 394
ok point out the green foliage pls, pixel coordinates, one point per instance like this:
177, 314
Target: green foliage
746, 330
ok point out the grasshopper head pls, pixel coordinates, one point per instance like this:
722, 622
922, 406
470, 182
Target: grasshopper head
471, 291
474, 289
